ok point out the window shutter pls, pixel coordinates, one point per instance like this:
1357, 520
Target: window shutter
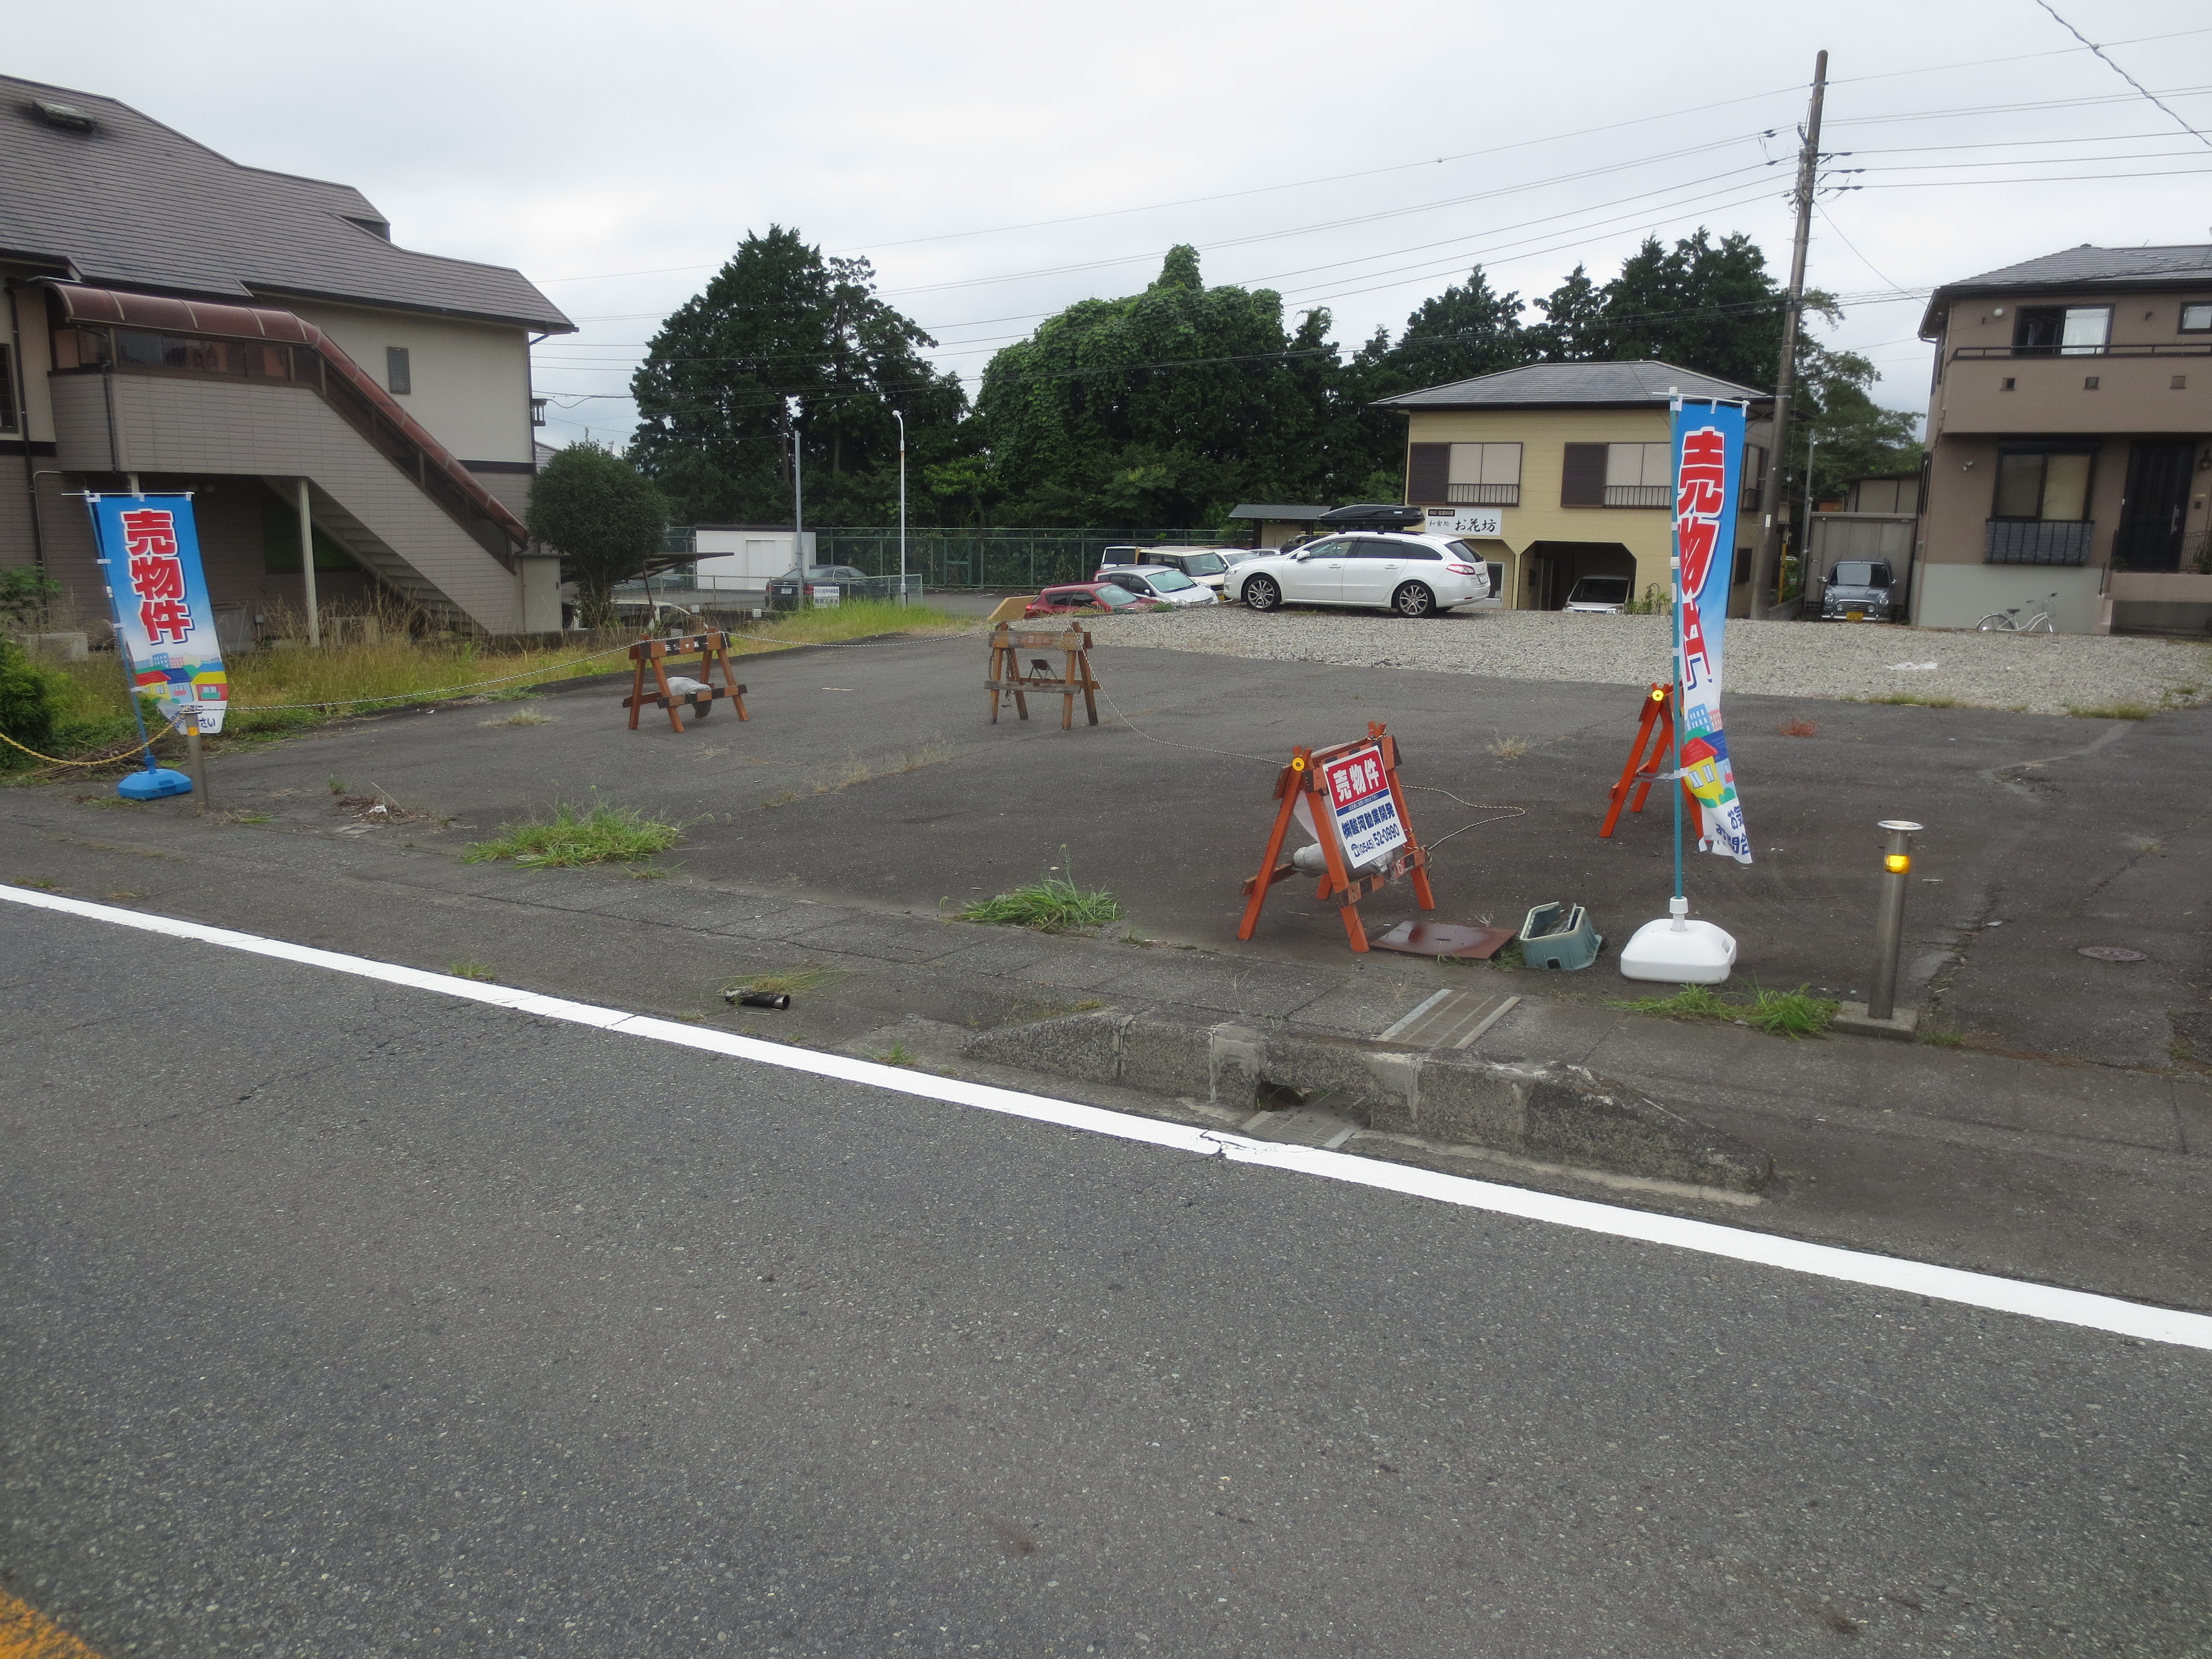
1428, 475
1582, 479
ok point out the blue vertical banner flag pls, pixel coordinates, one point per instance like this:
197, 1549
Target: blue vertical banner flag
1707, 468
149, 554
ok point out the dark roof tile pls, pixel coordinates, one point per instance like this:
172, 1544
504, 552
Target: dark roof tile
133, 204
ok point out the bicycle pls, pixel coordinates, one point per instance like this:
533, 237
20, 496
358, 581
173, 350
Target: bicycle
2008, 621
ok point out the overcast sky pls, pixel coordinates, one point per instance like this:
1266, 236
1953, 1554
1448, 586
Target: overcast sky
999, 160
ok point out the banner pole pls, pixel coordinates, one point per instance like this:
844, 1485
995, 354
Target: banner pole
1679, 909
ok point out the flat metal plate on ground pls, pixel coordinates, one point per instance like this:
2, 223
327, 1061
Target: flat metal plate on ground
1439, 939
1450, 1020
2113, 953
1301, 1126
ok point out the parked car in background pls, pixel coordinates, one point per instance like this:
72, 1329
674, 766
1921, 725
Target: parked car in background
1159, 581
1207, 566
850, 584
1859, 590
1415, 576
1089, 598
1600, 596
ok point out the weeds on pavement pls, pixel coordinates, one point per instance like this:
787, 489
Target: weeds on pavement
2108, 711
897, 1054
605, 834
1791, 1014
475, 970
1053, 905
1508, 748
789, 981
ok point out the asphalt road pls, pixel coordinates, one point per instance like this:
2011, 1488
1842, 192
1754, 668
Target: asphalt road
342, 1318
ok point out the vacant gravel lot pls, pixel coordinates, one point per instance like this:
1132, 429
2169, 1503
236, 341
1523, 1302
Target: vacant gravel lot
2035, 673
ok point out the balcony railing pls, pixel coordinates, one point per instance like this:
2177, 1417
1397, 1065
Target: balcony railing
1484, 495
2010, 541
2170, 349
1640, 495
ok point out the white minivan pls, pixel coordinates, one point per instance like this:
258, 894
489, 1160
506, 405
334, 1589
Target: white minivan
1413, 575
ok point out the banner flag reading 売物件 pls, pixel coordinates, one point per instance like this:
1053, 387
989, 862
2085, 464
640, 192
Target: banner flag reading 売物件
150, 553
1708, 466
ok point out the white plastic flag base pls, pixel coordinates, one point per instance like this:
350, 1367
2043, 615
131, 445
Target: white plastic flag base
1675, 951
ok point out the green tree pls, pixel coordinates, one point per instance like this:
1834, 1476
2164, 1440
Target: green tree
1159, 408
603, 516
1857, 436
30, 703
779, 322
1573, 328
1466, 331
1704, 305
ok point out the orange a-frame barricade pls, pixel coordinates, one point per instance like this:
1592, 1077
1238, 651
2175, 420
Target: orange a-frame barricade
1301, 782
710, 649
1654, 728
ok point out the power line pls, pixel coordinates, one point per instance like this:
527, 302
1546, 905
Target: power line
2114, 66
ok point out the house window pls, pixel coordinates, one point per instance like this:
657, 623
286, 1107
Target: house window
397, 374
6, 389
2062, 331
1754, 478
2196, 317
2043, 486
1484, 475
1640, 474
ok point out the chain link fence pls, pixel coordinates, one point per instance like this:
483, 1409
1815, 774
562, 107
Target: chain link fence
1022, 559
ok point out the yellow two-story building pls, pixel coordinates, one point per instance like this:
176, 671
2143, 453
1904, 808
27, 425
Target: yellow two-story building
1565, 471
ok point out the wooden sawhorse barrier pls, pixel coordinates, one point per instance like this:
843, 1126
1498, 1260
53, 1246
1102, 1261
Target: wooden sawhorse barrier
1006, 677
1304, 797
1655, 731
711, 649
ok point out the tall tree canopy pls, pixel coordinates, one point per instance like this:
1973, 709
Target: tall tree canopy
1162, 408
779, 321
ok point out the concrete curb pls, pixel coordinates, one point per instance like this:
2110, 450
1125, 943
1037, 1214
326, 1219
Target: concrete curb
1557, 1113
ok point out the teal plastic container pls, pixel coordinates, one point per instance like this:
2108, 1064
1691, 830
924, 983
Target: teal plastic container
1559, 935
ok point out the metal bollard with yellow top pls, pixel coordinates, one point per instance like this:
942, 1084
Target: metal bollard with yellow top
1878, 1016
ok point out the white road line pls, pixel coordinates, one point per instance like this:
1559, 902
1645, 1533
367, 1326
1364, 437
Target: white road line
2064, 1307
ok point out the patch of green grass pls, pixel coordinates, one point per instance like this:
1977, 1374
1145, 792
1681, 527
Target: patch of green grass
1690, 1002
337, 785
605, 834
1054, 905
1913, 699
2108, 711
475, 970
1790, 1014
39, 882
520, 717
790, 982
897, 1054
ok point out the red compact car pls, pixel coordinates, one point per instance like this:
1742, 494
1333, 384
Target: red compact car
1076, 598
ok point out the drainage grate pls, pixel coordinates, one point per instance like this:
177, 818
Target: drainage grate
1450, 1020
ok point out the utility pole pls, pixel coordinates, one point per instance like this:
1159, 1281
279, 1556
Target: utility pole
1808, 177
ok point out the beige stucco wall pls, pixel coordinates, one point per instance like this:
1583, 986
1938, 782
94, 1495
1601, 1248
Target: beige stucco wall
2133, 394
471, 380
31, 315
1962, 481
1543, 436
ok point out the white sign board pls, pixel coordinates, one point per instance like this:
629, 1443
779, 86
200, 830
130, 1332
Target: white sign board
1360, 800
822, 593
1486, 521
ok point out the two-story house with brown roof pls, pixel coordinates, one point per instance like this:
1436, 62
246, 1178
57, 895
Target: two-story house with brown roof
2069, 434
1565, 469
179, 320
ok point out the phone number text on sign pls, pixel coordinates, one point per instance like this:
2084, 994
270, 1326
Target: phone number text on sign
1366, 815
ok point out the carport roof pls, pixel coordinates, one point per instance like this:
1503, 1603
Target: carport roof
93, 190
1553, 386
1276, 510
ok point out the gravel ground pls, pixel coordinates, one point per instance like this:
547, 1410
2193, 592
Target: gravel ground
2033, 674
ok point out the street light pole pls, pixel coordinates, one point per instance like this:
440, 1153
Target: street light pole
901, 418
798, 506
